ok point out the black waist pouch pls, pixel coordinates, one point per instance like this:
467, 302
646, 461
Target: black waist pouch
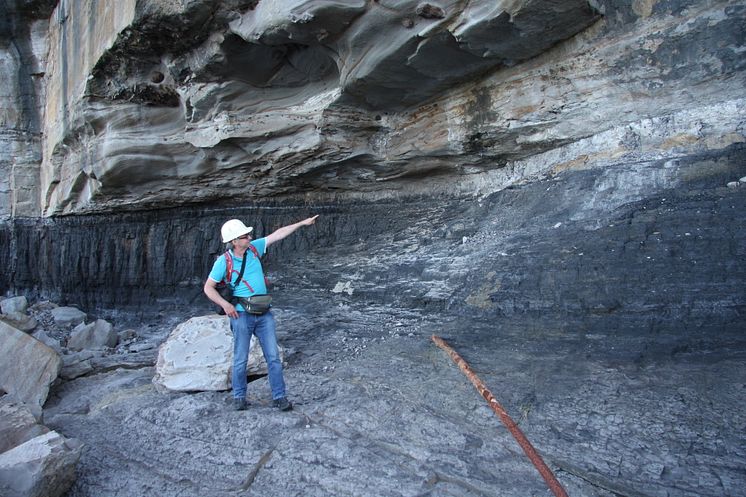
256, 304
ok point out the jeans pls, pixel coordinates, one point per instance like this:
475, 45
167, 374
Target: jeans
264, 328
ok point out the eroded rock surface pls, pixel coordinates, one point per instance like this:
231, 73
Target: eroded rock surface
602, 306
554, 187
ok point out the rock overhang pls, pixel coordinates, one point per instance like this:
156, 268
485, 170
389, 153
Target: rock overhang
267, 98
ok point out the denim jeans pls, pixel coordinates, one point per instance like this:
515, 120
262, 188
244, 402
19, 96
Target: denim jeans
264, 328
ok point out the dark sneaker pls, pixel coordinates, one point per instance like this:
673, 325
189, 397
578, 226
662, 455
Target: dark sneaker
239, 404
282, 404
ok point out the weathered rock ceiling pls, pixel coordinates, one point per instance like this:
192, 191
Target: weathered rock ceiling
162, 103
207, 100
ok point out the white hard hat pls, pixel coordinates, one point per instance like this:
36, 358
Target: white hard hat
233, 229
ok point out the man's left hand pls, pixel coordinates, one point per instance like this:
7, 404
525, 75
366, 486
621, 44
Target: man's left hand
309, 221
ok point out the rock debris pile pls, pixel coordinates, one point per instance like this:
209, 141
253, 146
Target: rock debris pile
44, 344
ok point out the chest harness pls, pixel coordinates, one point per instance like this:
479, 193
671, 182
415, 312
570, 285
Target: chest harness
229, 270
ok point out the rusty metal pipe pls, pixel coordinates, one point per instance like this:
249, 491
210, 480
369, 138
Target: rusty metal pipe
538, 462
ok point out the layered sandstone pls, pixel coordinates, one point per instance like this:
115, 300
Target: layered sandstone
163, 104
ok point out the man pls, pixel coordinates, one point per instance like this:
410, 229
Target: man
243, 323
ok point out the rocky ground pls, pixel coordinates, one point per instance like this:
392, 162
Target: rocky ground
379, 410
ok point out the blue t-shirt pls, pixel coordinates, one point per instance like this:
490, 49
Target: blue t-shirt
252, 282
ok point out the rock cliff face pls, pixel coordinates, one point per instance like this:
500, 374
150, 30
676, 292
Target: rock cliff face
642, 245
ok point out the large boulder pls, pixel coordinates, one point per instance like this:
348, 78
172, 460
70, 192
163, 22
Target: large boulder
41, 467
29, 367
14, 313
198, 356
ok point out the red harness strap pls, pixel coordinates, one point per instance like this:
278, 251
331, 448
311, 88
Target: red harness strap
229, 268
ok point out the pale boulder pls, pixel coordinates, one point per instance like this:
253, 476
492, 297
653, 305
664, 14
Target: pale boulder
198, 354
14, 304
14, 313
66, 316
29, 367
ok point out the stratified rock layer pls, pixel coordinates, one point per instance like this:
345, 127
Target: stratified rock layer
564, 206
602, 305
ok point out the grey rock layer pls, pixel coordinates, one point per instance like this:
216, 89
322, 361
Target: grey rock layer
603, 306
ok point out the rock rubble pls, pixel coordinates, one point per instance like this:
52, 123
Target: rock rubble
34, 460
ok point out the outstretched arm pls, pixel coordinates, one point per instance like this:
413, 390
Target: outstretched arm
283, 232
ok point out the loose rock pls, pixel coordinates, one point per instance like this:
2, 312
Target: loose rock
17, 424
14, 304
50, 342
29, 367
76, 365
42, 467
98, 334
68, 316
20, 321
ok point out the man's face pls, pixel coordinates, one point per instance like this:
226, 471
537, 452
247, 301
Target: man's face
243, 241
